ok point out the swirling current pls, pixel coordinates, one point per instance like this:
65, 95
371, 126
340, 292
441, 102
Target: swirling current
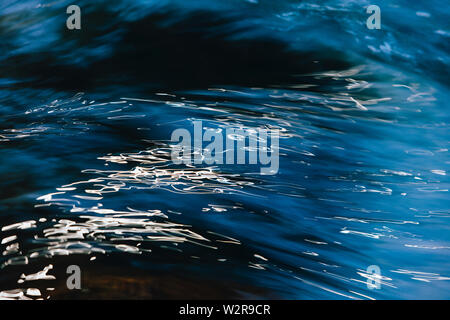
87, 179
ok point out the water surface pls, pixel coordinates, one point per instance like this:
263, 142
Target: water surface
87, 177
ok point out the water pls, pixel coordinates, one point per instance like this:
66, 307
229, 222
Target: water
87, 179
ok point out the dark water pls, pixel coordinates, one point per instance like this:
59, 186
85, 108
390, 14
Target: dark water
87, 179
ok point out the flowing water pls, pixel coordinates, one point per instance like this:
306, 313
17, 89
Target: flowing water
87, 179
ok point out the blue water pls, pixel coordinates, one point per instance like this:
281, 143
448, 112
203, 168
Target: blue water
87, 178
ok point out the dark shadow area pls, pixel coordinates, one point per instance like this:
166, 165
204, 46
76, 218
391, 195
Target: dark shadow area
163, 50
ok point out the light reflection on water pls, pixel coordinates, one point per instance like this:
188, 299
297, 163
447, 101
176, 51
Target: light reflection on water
325, 231
363, 180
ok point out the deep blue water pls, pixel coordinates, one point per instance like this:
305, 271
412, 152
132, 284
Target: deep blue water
86, 175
